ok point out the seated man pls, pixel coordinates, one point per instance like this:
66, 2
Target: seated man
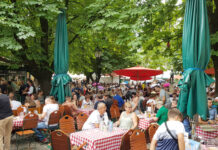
161, 116
14, 104
215, 103
96, 117
50, 106
119, 99
212, 114
170, 135
99, 100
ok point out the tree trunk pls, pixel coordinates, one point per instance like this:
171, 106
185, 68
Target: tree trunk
213, 23
44, 79
98, 77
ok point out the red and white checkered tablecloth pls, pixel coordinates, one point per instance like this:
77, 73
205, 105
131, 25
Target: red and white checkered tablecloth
98, 140
206, 134
144, 123
17, 122
87, 111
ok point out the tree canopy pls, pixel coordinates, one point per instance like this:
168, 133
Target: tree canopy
126, 32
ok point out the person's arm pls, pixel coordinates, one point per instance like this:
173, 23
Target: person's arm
155, 119
157, 116
37, 103
135, 106
42, 116
202, 121
153, 144
74, 106
96, 125
164, 99
117, 123
181, 141
135, 121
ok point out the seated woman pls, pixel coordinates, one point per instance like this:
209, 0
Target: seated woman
87, 103
29, 102
135, 103
152, 101
68, 102
41, 97
128, 119
34, 98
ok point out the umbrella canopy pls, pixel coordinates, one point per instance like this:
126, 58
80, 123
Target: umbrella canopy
196, 55
210, 71
140, 78
100, 87
138, 72
60, 86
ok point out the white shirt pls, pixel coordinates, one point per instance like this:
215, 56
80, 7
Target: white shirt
93, 119
82, 98
151, 101
175, 128
87, 103
49, 108
15, 104
30, 90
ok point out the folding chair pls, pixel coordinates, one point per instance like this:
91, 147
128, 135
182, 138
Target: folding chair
30, 121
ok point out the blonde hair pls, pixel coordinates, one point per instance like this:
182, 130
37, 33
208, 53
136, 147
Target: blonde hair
127, 104
173, 113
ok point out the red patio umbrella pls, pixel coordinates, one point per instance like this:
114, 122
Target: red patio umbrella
210, 71
138, 72
140, 78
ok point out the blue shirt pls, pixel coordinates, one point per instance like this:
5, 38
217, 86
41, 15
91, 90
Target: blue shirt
212, 113
119, 99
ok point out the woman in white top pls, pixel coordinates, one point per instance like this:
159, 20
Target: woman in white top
135, 103
87, 103
128, 119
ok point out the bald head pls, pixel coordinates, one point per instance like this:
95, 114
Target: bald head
101, 105
101, 108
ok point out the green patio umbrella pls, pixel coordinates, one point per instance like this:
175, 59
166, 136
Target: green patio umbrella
60, 81
196, 55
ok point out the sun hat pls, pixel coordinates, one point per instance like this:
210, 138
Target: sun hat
166, 85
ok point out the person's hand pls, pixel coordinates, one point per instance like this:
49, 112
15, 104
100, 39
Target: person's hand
211, 121
115, 124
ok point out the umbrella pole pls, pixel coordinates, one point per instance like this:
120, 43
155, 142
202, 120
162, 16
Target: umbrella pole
194, 123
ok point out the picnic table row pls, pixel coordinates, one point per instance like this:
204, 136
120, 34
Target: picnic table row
99, 140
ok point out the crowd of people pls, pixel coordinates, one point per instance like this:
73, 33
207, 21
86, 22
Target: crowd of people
154, 98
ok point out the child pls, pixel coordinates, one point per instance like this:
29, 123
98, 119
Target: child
170, 135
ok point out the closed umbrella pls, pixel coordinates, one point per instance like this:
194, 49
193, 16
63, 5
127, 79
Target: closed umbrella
196, 55
60, 82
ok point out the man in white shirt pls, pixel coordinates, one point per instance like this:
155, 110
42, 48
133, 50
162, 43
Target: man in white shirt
170, 135
96, 117
14, 104
50, 106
